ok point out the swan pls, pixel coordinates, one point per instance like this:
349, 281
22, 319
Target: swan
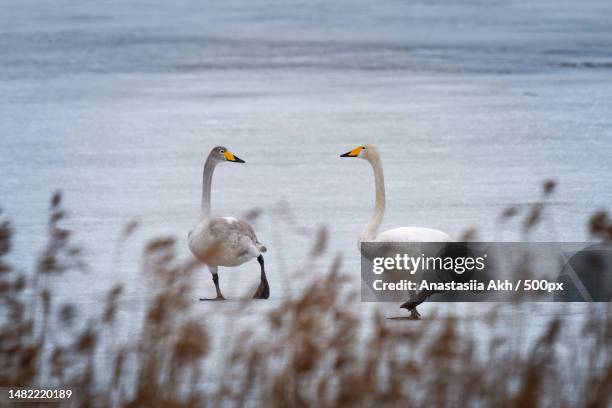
224, 241
369, 232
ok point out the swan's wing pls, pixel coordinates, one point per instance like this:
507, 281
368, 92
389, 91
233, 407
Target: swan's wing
224, 241
232, 229
224, 227
413, 234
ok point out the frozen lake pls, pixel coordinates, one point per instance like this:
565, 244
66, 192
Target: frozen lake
473, 104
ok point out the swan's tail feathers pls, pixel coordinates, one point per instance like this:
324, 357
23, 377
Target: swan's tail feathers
261, 247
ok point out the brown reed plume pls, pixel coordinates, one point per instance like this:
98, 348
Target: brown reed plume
316, 347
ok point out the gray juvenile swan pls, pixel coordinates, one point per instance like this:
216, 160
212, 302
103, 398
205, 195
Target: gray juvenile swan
370, 233
224, 241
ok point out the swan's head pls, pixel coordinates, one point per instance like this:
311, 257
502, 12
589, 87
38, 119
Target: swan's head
366, 152
222, 154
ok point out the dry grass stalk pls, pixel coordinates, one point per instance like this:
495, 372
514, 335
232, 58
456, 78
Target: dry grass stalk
315, 348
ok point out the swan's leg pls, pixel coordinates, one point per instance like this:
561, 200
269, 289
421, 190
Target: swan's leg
215, 277
414, 313
415, 300
263, 290
216, 282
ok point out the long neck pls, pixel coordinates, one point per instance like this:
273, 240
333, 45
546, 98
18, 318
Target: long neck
209, 168
368, 232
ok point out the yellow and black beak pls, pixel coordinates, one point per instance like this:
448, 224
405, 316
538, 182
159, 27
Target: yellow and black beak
229, 156
353, 153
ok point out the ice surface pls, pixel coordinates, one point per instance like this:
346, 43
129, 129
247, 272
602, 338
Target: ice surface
472, 104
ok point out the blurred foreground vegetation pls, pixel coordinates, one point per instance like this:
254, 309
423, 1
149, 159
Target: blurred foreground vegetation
315, 348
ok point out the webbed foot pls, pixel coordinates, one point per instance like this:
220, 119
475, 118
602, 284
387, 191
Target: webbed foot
212, 299
414, 315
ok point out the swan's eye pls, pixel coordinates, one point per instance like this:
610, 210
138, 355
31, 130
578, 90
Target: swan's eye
222, 151
363, 147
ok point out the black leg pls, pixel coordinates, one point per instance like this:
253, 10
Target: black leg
216, 282
412, 304
215, 278
263, 290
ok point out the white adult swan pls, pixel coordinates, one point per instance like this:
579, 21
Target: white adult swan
224, 241
369, 233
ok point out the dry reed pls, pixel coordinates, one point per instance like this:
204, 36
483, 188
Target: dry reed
314, 349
